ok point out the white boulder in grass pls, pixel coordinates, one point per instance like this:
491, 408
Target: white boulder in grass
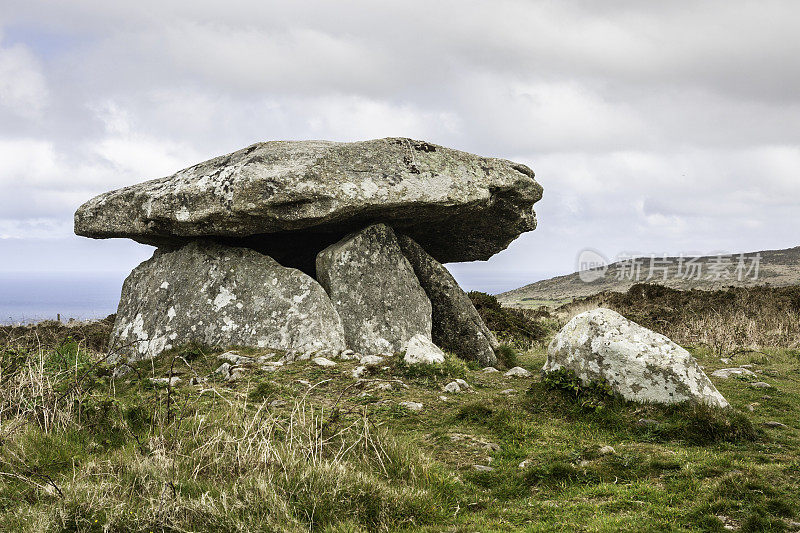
637, 363
323, 362
518, 372
421, 350
726, 373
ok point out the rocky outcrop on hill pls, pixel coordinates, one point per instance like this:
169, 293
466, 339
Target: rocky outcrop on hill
241, 225
640, 365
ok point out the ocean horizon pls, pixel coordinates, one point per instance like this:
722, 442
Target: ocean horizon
32, 297
28, 297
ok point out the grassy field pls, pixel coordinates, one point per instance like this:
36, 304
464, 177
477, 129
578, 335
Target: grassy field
310, 448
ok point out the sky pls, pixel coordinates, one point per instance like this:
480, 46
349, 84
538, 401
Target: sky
654, 127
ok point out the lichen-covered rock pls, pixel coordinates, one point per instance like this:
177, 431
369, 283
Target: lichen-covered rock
517, 372
456, 324
639, 364
421, 350
726, 373
284, 197
220, 295
374, 290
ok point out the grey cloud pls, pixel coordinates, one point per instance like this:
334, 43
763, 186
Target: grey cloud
666, 126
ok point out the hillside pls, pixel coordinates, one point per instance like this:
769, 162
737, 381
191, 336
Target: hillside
775, 268
174, 446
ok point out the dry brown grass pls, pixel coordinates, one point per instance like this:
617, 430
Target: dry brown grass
726, 321
79, 449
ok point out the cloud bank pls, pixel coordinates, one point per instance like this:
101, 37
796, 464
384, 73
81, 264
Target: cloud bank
654, 127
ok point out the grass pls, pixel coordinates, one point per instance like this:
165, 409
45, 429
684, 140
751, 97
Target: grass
728, 322
82, 450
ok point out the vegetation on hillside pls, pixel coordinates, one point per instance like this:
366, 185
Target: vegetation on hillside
727, 321
310, 448
775, 268
511, 326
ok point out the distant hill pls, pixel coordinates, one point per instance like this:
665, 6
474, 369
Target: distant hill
775, 268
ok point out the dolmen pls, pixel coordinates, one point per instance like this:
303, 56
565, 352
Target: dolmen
314, 246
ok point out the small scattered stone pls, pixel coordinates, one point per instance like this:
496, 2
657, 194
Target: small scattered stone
412, 406
452, 388
236, 372
358, 371
346, 355
234, 358
463, 384
444, 398
324, 362
525, 463
490, 370
508, 391
271, 366
166, 381
277, 403
774, 424
761, 385
304, 382
383, 386
421, 350
517, 372
726, 373
745, 366
371, 360
647, 422
607, 450
752, 407
725, 360
483, 468
266, 358
224, 370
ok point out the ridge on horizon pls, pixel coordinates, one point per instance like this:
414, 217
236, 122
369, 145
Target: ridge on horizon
776, 268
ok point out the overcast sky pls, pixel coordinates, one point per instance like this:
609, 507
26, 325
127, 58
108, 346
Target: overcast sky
654, 127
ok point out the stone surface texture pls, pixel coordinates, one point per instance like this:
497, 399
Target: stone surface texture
456, 324
374, 290
280, 196
639, 364
517, 372
223, 296
421, 350
726, 373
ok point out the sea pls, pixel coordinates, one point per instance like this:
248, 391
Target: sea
32, 297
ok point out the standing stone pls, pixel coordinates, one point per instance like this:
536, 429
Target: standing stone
374, 290
640, 365
220, 295
457, 326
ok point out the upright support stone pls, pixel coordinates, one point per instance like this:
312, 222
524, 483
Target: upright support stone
457, 326
375, 291
221, 295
